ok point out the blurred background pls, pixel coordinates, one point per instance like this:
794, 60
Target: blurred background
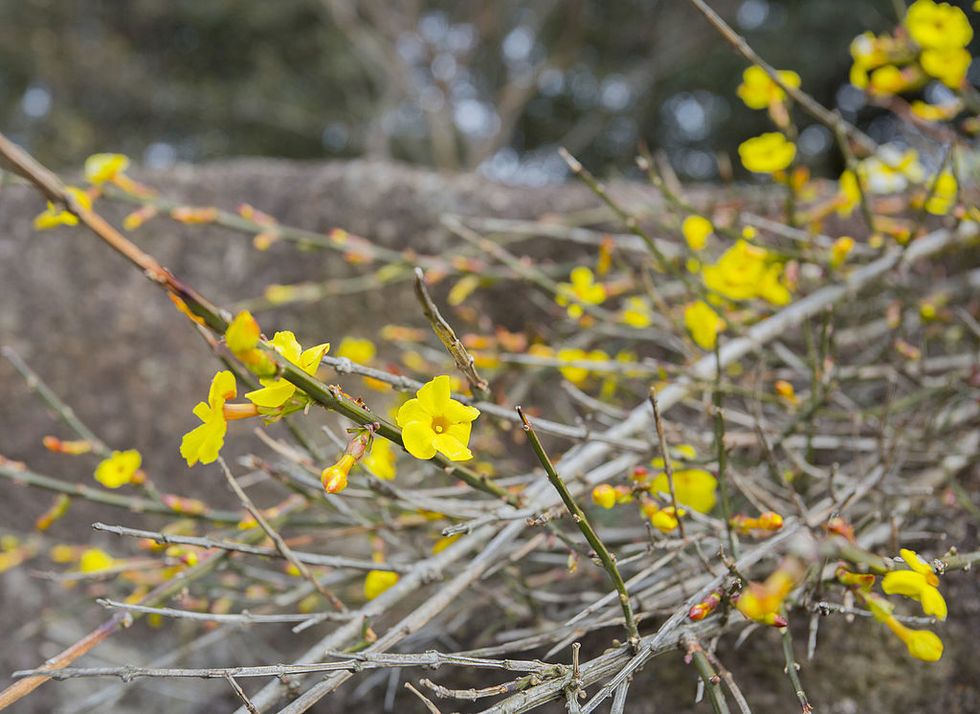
470, 84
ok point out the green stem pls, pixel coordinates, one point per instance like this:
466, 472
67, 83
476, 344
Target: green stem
578, 515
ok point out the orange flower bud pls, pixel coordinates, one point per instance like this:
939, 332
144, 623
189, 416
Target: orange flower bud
53, 443
191, 215
180, 504
704, 608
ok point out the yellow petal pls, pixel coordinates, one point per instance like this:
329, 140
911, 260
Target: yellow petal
903, 582
410, 411
434, 396
452, 448
377, 581
418, 438
457, 412
933, 602
275, 393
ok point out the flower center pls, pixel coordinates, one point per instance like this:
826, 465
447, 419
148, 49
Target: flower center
440, 425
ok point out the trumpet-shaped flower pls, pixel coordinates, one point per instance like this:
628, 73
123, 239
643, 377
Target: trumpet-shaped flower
276, 391
582, 289
759, 91
435, 422
767, 153
694, 488
704, 324
55, 216
920, 583
922, 644
242, 338
334, 477
204, 442
119, 468
696, 230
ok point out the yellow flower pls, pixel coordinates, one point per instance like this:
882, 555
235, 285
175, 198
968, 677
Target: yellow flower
758, 91
762, 602
664, 520
604, 496
920, 583
848, 194
771, 288
943, 195
704, 324
119, 468
377, 581
578, 375
888, 80
637, 313
582, 289
839, 251
936, 112
242, 338
277, 391
93, 560
356, 349
694, 488
334, 477
204, 442
55, 216
785, 390
100, 168
891, 170
381, 460
767, 153
435, 422
738, 272
922, 644
938, 25
949, 65
696, 230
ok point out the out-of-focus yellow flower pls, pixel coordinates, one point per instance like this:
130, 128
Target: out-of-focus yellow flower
839, 251
758, 91
604, 496
785, 390
204, 442
637, 312
704, 324
59, 446
762, 602
578, 375
664, 520
58, 509
435, 422
920, 583
582, 289
949, 65
377, 581
936, 112
888, 80
738, 273
769, 521
54, 216
693, 488
277, 391
357, 349
444, 542
943, 196
891, 170
118, 469
938, 25
771, 287
94, 560
848, 194
100, 168
861, 581
381, 460
696, 230
767, 153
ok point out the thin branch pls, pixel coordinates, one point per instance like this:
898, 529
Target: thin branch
668, 466
578, 515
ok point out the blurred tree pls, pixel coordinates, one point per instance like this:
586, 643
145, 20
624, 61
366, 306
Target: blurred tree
467, 84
